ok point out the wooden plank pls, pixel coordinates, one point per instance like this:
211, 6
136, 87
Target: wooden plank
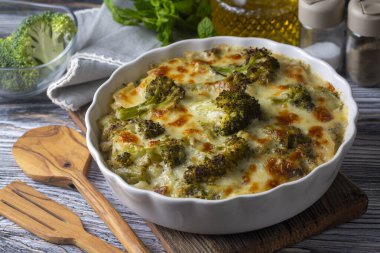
343, 202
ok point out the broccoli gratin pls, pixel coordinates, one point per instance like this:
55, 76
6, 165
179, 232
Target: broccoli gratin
222, 122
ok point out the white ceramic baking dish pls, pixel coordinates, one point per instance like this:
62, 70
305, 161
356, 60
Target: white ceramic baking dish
233, 215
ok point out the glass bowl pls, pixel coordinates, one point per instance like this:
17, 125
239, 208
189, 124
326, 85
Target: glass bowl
26, 82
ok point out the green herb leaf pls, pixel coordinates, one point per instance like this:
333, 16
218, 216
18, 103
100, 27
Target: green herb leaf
205, 28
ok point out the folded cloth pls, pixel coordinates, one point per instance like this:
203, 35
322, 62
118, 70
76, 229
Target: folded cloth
102, 46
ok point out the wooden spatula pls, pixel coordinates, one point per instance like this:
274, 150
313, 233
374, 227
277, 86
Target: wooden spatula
58, 155
47, 219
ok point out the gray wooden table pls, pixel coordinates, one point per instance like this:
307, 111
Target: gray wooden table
362, 165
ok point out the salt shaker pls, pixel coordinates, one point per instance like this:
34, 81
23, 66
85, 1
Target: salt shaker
363, 42
323, 29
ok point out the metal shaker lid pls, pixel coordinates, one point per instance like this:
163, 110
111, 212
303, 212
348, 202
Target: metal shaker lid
320, 14
364, 17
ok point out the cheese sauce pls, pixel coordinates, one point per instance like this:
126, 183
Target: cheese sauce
287, 141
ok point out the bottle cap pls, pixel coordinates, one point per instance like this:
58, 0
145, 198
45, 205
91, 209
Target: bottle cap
320, 14
364, 17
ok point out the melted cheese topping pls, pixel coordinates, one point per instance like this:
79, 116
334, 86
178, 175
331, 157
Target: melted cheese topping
273, 160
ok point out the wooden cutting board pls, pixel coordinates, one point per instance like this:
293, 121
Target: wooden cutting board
343, 202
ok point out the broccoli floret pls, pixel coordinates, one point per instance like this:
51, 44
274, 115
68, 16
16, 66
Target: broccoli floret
300, 97
160, 93
208, 171
133, 174
198, 191
173, 152
38, 40
239, 110
236, 149
260, 66
43, 37
148, 128
236, 82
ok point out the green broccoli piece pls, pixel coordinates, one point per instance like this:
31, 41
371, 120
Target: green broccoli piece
259, 66
160, 93
133, 174
262, 66
239, 110
236, 149
300, 97
236, 82
172, 152
198, 191
38, 40
148, 128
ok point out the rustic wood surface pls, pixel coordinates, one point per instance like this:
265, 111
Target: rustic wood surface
58, 155
361, 165
47, 219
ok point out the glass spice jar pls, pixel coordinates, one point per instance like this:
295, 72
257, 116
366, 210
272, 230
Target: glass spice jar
323, 29
363, 42
274, 19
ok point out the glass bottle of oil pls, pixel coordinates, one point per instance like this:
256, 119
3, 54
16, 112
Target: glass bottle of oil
273, 19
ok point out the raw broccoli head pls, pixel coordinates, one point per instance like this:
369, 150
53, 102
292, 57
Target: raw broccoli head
300, 97
239, 110
173, 152
148, 128
43, 37
160, 93
262, 66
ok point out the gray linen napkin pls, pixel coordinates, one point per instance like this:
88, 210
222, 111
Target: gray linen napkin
102, 46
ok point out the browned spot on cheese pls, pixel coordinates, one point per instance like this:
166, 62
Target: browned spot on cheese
282, 87
133, 92
247, 174
182, 69
322, 114
271, 183
192, 131
182, 120
254, 187
191, 81
180, 109
161, 71
234, 56
295, 72
330, 87
172, 61
158, 114
279, 167
316, 131
128, 137
228, 191
154, 143
163, 190
207, 147
286, 117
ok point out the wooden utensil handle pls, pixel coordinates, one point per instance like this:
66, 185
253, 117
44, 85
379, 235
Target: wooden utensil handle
93, 244
108, 214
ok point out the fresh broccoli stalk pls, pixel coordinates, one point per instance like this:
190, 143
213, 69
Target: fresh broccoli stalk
210, 169
148, 128
239, 109
259, 66
160, 93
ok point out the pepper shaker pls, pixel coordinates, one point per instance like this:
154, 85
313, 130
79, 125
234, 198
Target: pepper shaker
363, 42
323, 29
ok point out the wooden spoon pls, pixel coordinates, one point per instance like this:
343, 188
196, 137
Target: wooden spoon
47, 219
58, 155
